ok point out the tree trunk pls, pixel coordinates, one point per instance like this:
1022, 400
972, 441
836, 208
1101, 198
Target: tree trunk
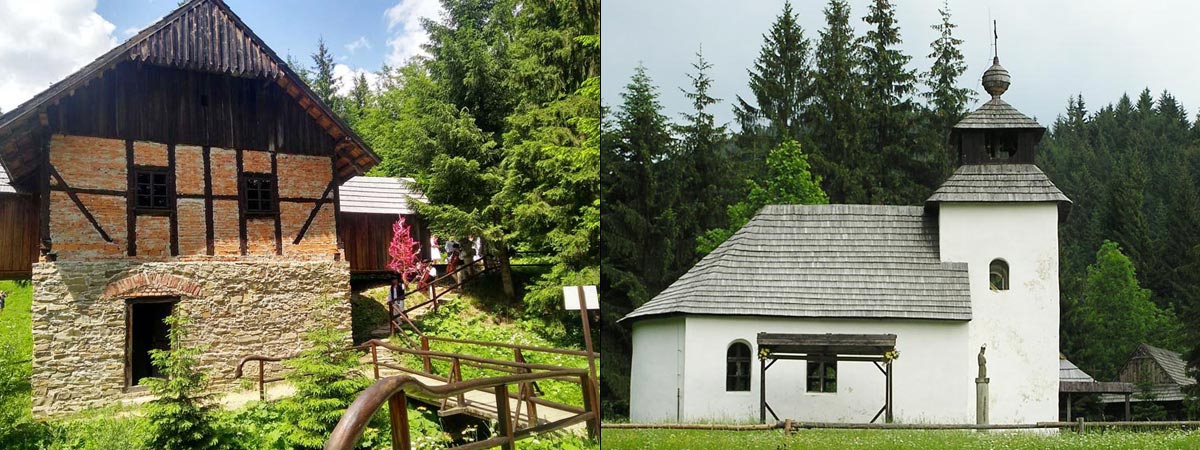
506, 277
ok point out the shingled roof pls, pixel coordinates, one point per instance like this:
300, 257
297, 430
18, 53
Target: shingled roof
837, 261
379, 195
997, 114
5, 182
998, 183
1172, 363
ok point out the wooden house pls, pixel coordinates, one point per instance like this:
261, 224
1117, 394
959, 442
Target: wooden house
1158, 375
369, 208
186, 171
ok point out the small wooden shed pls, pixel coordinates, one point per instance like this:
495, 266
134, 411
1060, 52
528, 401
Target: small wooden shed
18, 230
1159, 376
369, 208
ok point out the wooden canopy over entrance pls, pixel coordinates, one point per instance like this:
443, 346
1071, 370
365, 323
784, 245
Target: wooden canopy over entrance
1070, 388
871, 348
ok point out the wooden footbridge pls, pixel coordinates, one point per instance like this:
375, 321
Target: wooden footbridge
504, 391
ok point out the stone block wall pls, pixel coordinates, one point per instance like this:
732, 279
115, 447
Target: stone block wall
238, 309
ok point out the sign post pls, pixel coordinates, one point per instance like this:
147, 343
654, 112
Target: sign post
586, 298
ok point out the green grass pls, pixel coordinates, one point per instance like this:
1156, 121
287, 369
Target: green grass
895, 439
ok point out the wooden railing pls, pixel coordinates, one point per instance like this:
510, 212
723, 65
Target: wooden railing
527, 375
434, 290
394, 391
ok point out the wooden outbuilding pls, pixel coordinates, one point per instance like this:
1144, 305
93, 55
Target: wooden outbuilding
1158, 375
369, 208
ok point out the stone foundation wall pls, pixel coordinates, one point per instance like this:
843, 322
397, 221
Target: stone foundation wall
242, 308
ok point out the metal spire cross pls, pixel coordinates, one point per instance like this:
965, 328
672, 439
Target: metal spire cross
995, 41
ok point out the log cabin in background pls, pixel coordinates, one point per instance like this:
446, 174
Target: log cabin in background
187, 170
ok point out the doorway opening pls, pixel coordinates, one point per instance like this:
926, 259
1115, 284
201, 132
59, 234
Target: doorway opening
145, 330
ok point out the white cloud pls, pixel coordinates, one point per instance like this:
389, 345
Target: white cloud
358, 44
347, 75
404, 24
44, 41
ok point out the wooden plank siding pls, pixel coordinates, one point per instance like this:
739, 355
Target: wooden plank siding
367, 238
159, 104
18, 236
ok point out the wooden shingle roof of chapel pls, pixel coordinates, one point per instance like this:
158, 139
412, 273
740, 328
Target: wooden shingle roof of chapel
843, 261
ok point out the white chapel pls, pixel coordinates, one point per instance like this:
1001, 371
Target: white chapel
868, 313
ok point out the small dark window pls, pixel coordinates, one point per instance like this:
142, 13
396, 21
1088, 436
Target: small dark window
1001, 145
260, 194
822, 376
152, 188
998, 275
737, 367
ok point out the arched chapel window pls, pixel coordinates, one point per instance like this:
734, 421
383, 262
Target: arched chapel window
998, 275
737, 367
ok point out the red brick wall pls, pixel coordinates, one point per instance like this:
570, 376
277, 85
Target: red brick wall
95, 163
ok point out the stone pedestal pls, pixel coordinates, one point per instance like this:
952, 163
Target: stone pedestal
981, 401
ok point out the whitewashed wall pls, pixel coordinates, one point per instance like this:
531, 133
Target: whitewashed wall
1019, 326
930, 384
658, 346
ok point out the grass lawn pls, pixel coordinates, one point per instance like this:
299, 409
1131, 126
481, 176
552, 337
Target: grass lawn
896, 439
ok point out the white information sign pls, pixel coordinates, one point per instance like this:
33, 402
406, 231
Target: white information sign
590, 296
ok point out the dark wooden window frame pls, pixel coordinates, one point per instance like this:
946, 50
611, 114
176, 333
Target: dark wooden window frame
998, 268
169, 195
272, 191
819, 379
737, 367
997, 140
129, 387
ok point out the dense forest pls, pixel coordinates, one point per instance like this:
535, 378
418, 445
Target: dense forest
841, 117
500, 126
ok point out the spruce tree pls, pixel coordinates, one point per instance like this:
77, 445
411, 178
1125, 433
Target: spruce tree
181, 415
327, 377
947, 100
837, 112
781, 88
705, 167
888, 105
638, 225
323, 83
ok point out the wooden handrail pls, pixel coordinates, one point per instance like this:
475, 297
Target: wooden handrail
462, 357
393, 391
559, 351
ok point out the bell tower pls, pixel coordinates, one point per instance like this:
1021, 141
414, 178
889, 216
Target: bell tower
996, 133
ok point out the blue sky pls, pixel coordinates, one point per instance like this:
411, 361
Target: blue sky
43, 41
288, 27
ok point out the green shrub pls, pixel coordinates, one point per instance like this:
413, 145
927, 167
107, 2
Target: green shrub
327, 377
180, 416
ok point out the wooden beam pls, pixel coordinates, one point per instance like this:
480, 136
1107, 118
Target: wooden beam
172, 200
47, 244
79, 204
208, 203
130, 201
278, 210
313, 214
241, 181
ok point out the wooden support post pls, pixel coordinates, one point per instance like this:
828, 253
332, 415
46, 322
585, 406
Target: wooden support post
425, 358
1079, 429
787, 427
1069, 407
262, 389
1128, 416
587, 341
762, 391
398, 413
888, 416
591, 403
456, 376
504, 422
375, 359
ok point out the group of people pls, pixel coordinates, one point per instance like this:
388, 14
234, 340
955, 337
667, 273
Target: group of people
453, 248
